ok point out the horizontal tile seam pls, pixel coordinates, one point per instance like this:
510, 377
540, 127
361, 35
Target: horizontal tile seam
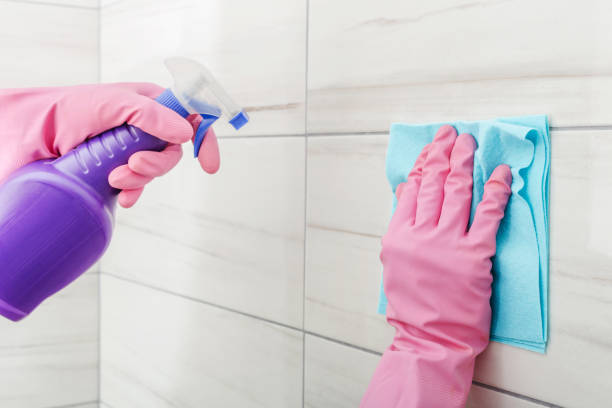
204, 302
263, 136
307, 332
516, 395
75, 405
51, 4
93, 340
386, 132
479, 384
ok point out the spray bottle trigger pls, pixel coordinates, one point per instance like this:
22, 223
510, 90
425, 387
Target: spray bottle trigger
207, 120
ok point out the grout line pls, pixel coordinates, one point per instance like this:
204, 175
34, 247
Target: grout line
306, 134
310, 333
516, 395
75, 405
290, 135
343, 343
386, 132
356, 133
580, 127
51, 4
99, 379
306, 56
207, 303
303, 368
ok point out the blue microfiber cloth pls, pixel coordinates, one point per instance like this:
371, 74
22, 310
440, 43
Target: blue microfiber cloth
520, 267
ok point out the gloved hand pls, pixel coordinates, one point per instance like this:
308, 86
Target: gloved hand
45, 123
437, 277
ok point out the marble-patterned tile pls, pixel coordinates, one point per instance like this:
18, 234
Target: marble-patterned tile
443, 60
235, 238
342, 262
337, 376
347, 182
46, 45
163, 350
347, 211
342, 283
51, 357
257, 50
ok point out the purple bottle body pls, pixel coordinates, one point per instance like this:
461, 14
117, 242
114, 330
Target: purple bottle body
57, 216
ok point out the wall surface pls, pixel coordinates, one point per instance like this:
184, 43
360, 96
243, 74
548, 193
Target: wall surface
257, 287
50, 359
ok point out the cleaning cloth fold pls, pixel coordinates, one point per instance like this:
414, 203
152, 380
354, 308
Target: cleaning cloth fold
520, 266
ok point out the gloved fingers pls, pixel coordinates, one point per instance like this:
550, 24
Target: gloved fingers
435, 171
208, 156
490, 211
155, 164
116, 108
148, 89
123, 178
407, 191
458, 187
128, 198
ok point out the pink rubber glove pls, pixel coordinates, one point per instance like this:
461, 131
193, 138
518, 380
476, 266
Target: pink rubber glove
45, 123
437, 278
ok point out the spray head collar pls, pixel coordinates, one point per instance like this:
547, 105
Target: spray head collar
198, 91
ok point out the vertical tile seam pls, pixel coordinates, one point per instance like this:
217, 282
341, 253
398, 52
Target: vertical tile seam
99, 379
307, 21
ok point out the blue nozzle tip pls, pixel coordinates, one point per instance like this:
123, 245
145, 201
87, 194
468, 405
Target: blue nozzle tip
239, 120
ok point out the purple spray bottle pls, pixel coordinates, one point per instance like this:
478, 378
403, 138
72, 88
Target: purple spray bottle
57, 216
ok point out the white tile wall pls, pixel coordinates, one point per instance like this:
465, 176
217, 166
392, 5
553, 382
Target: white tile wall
50, 359
256, 49
348, 209
230, 253
93, 4
161, 350
371, 63
45, 45
234, 239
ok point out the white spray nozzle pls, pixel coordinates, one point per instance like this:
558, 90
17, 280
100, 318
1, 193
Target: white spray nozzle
199, 92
